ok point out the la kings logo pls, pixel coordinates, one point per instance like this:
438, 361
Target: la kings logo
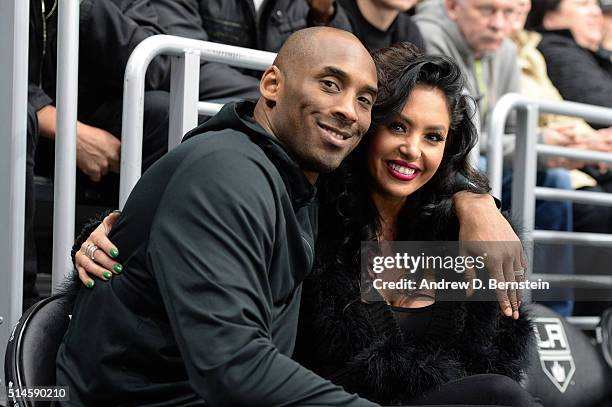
555, 354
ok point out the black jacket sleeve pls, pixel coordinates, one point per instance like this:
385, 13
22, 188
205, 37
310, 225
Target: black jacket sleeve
110, 30
217, 81
210, 263
37, 97
575, 72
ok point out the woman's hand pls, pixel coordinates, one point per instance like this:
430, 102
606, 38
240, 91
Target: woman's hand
97, 255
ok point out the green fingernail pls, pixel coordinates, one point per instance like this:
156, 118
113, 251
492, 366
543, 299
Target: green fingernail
90, 284
118, 268
113, 252
107, 275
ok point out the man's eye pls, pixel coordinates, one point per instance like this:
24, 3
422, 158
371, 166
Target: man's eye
365, 100
330, 85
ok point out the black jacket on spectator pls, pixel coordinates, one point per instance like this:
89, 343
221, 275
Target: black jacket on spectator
579, 74
108, 33
235, 22
401, 30
215, 241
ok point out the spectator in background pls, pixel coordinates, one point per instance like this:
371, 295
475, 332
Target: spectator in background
587, 218
606, 8
572, 32
381, 23
574, 132
255, 24
476, 33
109, 30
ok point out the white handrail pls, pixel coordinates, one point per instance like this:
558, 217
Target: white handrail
13, 116
524, 190
64, 194
134, 90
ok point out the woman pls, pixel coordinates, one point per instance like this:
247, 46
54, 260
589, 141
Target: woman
572, 32
398, 186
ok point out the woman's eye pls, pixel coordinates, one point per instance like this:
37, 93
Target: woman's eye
397, 127
435, 137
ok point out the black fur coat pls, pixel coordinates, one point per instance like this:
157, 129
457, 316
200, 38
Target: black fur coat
359, 345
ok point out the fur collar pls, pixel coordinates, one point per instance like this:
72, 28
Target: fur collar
341, 338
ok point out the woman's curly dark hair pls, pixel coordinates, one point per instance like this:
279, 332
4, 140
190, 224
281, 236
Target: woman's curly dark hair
348, 215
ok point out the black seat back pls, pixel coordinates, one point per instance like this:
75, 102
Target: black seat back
33, 345
568, 369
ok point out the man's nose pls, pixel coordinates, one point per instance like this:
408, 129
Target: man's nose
345, 109
499, 21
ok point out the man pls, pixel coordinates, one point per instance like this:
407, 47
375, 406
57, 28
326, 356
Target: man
108, 31
381, 23
218, 236
476, 34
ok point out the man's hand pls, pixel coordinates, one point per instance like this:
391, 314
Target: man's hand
321, 11
103, 264
98, 151
482, 224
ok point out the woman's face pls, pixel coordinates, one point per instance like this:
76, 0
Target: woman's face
404, 154
582, 17
519, 18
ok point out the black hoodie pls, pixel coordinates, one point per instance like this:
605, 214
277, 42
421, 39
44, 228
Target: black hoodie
215, 241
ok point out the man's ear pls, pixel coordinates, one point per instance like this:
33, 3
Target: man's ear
451, 8
269, 86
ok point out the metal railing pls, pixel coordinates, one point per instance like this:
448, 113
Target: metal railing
13, 116
183, 116
524, 189
64, 194
184, 106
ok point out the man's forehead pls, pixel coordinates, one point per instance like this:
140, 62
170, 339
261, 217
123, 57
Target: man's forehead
347, 56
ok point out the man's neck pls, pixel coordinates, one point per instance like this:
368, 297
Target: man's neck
380, 17
311, 176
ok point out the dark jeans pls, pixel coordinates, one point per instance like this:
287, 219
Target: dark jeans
478, 390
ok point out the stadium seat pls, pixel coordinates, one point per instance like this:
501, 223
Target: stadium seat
568, 369
33, 345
